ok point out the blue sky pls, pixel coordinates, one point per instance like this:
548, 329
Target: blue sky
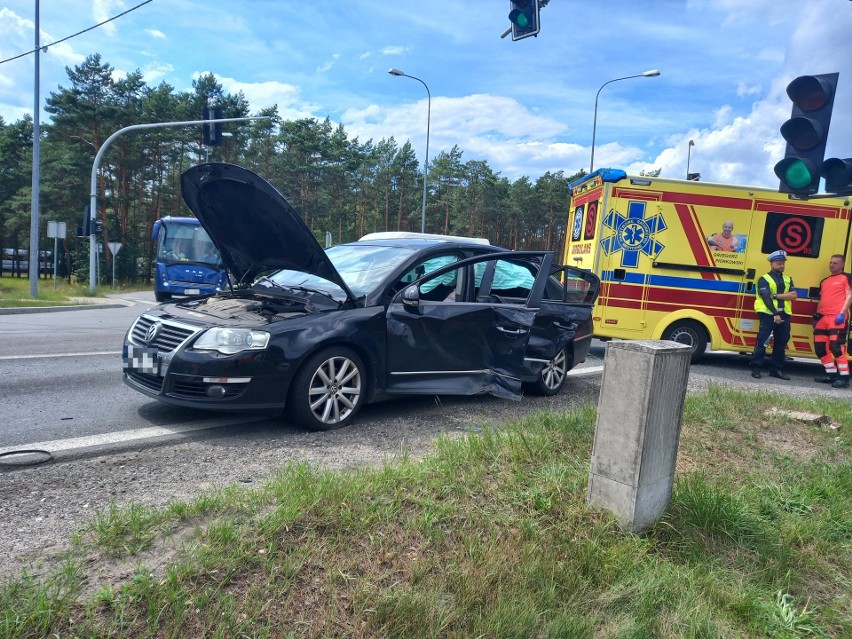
526, 107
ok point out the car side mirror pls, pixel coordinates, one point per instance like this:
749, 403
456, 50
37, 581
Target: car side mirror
411, 298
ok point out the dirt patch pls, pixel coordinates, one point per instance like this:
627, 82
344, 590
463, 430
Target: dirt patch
790, 439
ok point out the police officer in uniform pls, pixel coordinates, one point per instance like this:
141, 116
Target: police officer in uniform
773, 300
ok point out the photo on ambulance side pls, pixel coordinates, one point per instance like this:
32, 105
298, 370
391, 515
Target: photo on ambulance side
679, 259
726, 240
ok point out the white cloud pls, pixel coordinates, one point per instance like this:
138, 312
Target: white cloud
266, 94
104, 10
156, 34
154, 73
328, 64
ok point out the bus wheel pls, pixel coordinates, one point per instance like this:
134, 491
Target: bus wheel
690, 333
162, 297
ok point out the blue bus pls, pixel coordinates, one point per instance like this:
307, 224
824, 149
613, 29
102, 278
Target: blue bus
187, 261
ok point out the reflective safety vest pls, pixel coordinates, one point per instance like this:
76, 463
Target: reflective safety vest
781, 305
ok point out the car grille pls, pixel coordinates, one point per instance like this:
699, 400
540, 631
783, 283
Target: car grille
151, 382
171, 335
186, 388
169, 338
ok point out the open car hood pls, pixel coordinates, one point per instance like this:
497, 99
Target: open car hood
254, 226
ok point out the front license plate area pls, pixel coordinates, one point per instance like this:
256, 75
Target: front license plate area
192, 291
142, 360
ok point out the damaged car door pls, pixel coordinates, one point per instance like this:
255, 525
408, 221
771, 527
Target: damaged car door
444, 338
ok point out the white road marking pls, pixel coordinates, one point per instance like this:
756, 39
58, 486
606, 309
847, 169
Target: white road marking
589, 370
52, 355
59, 445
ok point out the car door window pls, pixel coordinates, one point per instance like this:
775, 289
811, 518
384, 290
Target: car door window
503, 281
572, 285
438, 288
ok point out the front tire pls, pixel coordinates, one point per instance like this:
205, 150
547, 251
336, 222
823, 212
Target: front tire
690, 333
162, 297
328, 390
552, 377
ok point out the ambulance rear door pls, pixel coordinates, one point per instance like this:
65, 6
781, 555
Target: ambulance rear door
631, 224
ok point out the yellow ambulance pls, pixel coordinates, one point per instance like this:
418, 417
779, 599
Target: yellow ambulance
679, 259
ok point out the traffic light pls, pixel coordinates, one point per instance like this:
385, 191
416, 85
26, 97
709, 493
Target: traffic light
838, 175
806, 133
523, 14
212, 130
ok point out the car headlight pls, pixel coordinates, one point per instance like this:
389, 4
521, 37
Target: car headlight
231, 340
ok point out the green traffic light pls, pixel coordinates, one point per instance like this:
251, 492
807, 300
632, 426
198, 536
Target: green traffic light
797, 175
519, 18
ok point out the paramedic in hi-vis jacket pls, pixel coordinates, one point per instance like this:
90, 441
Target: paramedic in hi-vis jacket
830, 321
773, 301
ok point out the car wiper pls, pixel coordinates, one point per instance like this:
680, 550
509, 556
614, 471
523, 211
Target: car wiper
297, 292
312, 291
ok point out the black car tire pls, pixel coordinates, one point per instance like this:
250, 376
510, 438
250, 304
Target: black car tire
328, 390
690, 333
162, 297
552, 377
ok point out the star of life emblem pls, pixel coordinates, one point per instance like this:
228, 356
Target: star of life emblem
633, 234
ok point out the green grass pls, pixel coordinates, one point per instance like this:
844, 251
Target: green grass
488, 537
15, 292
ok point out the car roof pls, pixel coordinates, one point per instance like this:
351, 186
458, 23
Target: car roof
430, 237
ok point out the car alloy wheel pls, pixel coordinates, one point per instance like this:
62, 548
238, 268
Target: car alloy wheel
327, 392
552, 377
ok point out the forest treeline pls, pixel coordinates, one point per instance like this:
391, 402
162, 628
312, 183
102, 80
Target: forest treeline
339, 184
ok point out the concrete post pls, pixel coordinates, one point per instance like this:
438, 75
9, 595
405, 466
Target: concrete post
640, 413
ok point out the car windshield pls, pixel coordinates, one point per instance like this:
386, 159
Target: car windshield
362, 266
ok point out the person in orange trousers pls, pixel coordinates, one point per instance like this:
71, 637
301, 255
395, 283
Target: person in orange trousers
830, 324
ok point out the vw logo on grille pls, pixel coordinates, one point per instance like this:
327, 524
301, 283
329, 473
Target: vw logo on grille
153, 331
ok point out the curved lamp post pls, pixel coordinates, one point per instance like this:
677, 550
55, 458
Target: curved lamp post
647, 74
688, 156
397, 72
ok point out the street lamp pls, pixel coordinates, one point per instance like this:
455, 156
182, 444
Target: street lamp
647, 74
688, 154
397, 72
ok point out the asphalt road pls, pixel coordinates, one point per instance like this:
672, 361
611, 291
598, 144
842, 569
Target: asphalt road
61, 376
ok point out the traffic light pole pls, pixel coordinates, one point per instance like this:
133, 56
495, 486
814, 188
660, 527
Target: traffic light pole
93, 184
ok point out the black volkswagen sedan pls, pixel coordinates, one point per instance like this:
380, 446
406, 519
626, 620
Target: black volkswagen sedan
319, 333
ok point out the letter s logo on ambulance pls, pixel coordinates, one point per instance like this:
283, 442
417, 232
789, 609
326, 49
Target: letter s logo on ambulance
799, 235
591, 221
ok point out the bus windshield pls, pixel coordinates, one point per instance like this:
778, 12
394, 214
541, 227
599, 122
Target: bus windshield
181, 242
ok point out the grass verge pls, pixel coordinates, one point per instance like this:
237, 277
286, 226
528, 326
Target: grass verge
488, 537
15, 292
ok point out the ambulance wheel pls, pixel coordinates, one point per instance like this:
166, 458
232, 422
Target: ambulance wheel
688, 332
